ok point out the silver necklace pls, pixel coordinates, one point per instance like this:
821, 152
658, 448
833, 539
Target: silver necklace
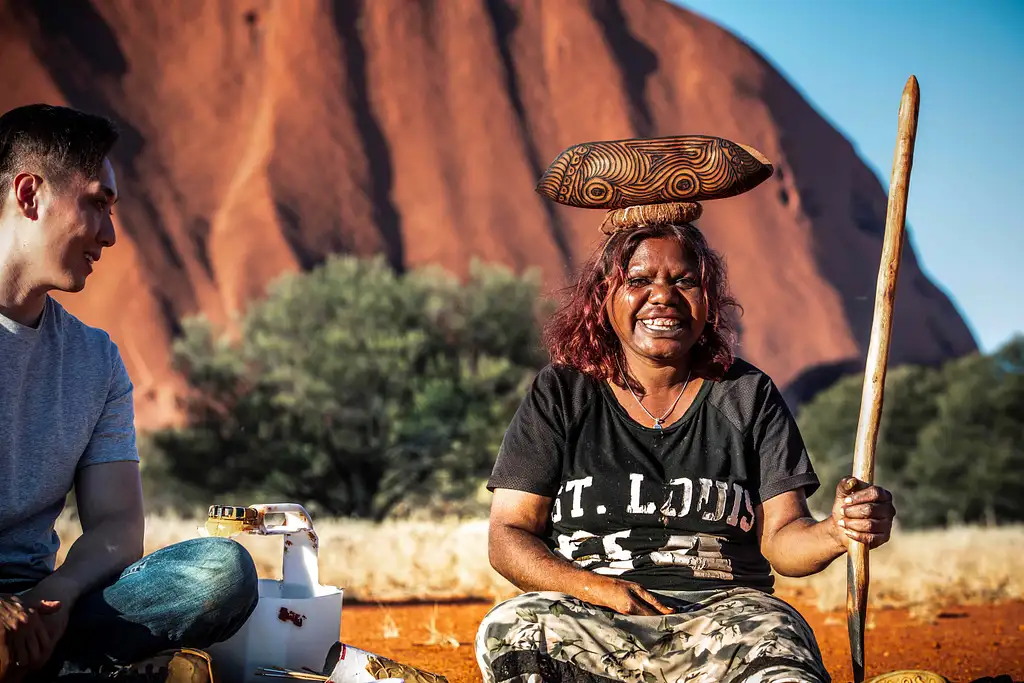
657, 420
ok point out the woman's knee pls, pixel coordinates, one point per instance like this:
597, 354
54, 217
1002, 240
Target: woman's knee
770, 669
533, 600
509, 612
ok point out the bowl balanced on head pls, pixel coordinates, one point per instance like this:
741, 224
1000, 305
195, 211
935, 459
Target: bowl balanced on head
650, 479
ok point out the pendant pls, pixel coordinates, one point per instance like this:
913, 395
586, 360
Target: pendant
657, 425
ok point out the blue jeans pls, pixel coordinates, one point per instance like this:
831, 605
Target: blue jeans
190, 594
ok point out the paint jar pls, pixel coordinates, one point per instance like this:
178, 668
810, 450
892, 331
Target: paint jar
229, 521
297, 620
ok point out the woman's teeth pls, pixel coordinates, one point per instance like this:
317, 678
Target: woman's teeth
661, 323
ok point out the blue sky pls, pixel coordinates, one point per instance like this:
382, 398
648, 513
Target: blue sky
851, 61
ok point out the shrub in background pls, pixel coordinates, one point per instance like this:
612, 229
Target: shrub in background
950, 443
357, 390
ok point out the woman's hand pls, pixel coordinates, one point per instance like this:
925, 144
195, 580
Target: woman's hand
862, 513
518, 553
625, 597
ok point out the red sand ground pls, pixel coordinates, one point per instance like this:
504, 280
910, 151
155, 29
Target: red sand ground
963, 644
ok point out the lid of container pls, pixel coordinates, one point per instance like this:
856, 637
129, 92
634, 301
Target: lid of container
231, 512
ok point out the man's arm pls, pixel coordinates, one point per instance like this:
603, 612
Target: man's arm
108, 489
110, 509
109, 492
109, 497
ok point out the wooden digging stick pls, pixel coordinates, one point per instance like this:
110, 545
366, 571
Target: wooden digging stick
877, 359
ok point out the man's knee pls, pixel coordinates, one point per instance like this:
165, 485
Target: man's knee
227, 571
217, 572
222, 576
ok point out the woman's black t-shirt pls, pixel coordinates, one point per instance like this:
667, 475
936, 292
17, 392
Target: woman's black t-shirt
672, 509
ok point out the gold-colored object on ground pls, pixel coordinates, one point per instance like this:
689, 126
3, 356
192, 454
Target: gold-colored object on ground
184, 665
382, 667
189, 665
909, 676
877, 359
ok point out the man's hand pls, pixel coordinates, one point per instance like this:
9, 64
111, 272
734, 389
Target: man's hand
50, 601
31, 631
862, 513
625, 597
12, 612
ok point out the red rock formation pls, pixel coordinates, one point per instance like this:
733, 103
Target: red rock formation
260, 136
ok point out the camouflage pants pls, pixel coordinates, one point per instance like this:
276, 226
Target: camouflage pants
727, 636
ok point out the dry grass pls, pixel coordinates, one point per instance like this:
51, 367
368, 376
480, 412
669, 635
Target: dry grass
437, 636
393, 561
925, 571
389, 629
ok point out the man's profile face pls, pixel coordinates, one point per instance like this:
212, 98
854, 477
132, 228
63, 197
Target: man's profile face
75, 226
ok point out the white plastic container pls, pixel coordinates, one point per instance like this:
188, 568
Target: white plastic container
296, 620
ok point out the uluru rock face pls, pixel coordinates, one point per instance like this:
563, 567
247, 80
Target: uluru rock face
261, 135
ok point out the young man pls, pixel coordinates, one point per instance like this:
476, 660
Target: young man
67, 419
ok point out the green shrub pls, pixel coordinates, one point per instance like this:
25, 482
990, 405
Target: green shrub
950, 443
352, 388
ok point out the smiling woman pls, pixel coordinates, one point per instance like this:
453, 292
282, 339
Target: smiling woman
647, 268
649, 472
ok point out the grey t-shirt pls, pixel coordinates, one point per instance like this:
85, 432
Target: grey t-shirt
65, 403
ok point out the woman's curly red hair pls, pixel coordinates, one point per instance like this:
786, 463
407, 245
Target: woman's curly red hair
579, 334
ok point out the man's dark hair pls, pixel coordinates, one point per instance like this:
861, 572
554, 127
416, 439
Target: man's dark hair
54, 142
